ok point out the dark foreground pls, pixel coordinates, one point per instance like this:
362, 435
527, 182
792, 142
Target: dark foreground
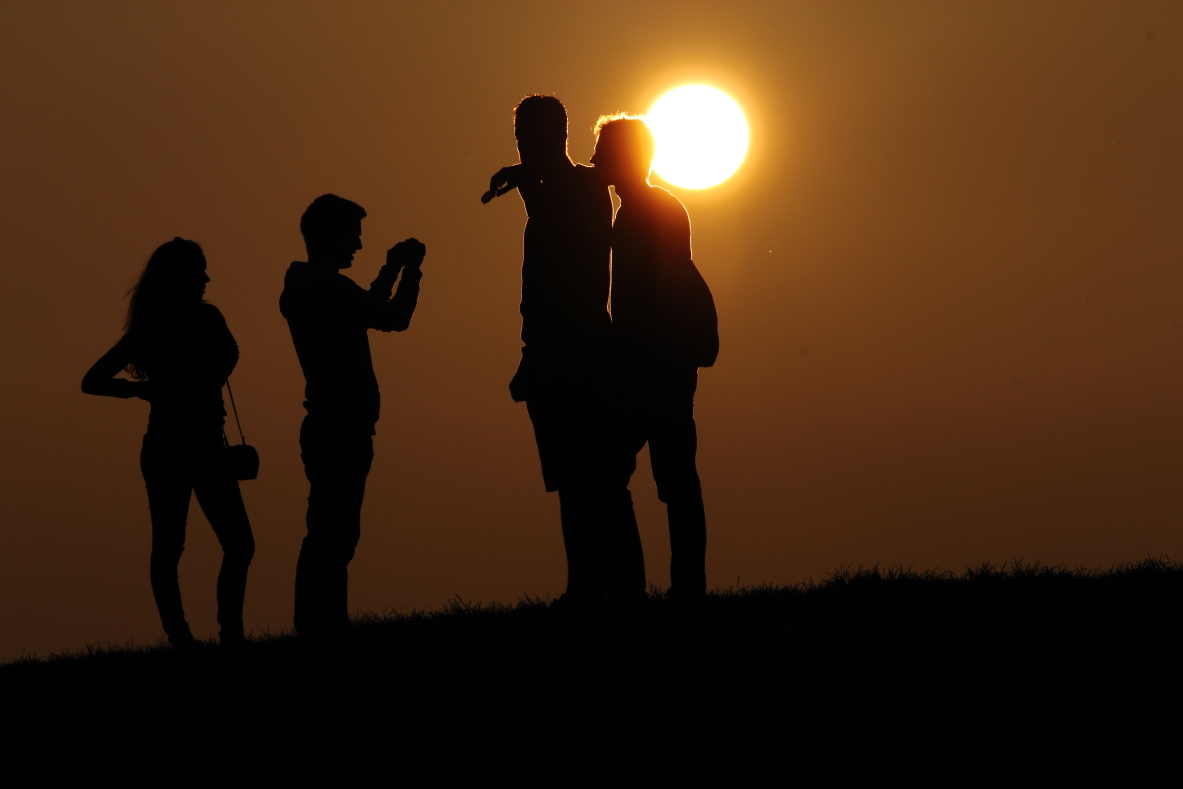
991, 668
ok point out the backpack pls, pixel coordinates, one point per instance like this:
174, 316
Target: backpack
691, 319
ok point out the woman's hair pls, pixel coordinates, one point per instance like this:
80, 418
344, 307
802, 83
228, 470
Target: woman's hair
157, 295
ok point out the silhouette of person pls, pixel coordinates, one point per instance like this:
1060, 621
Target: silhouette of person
664, 327
180, 352
563, 374
329, 316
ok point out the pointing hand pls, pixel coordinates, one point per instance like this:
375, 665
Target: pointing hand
506, 180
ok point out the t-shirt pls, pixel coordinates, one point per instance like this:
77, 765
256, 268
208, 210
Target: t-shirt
329, 316
661, 307
650, 238
565, 277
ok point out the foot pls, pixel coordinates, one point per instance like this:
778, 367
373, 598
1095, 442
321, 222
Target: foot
692, 600
182, 641
322, 634
629, 601
577, 603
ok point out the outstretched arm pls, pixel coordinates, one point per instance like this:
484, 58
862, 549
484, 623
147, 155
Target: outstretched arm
394, 314
100, 378
504, 180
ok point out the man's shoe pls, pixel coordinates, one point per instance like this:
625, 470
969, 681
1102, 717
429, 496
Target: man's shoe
689, 601
628, 601
182, 641
568, 603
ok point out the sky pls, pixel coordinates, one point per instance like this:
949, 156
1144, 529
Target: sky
949, 278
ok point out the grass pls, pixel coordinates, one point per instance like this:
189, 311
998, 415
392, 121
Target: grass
863, 656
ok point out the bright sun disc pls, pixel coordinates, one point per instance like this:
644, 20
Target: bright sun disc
702, 136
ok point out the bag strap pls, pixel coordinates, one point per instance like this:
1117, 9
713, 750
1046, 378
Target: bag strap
235, 408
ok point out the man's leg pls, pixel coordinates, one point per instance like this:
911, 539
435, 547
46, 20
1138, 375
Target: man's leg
336, 463
625, 558
673, 444
578, 515
569, 404
601, 458
577, 501
624, 435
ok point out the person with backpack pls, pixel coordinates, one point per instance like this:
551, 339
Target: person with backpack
664, 327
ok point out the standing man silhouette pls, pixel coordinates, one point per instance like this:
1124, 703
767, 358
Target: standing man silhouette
664, 327
565, 332
329, 316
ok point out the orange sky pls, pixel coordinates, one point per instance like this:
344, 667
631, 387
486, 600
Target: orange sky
949, 278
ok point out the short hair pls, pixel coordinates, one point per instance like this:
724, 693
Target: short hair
541, 113
328, 216
632, 130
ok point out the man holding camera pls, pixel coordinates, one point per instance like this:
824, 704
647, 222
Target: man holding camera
329, 316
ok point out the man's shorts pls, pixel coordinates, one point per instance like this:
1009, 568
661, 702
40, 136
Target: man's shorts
568, 397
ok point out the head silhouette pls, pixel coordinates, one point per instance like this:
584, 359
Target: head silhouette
173, 282
540, 125
331, 227
624, 149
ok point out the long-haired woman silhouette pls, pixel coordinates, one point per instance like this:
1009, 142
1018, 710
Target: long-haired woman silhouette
180, 352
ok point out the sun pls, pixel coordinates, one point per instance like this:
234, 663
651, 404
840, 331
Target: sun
702, 136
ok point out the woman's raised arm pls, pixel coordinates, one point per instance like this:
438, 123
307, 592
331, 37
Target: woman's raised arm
100, 378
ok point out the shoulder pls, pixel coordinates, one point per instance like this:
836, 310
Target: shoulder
124, 347
308, 280
210, 314
676, 217
299, 275
211, 319
657, 206
587, 179
664, 201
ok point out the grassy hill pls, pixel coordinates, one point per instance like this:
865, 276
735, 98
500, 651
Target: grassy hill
995, 661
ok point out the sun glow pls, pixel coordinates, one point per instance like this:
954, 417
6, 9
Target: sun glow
702, 136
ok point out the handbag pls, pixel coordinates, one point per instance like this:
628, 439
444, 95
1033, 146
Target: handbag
242, 460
